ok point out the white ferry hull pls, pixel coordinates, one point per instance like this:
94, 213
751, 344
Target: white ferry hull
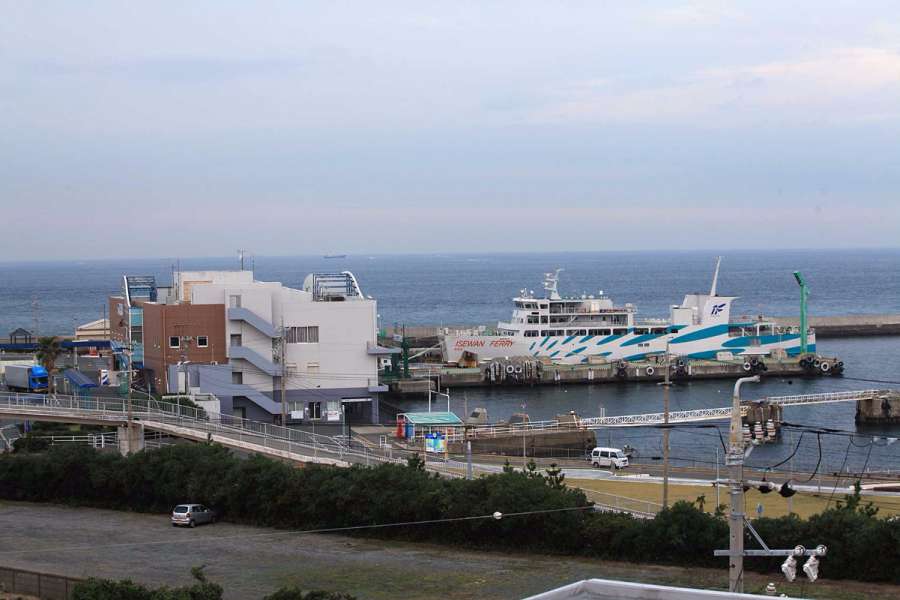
697, 342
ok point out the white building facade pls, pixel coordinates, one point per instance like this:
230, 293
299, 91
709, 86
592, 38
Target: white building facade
327, 332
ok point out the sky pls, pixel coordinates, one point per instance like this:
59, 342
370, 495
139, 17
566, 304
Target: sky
146, 129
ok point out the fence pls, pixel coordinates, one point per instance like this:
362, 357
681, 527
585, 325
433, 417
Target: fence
33, 583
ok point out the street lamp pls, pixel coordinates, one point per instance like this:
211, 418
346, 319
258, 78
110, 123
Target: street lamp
735, 462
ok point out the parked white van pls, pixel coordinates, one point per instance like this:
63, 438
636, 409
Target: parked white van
608, 457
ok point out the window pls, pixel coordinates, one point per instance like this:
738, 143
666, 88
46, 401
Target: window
237, 377
174, 341
302, 335
532, 333
234, 301
202, 341
236, 339
315, 410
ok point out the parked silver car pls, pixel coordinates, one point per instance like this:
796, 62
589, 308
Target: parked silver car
192, 515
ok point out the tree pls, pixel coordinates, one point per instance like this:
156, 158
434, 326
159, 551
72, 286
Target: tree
48, 350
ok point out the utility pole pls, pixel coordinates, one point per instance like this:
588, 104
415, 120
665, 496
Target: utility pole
735, 462
666, 383
283, 367
665, 501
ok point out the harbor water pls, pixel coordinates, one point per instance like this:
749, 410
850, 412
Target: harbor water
54, 297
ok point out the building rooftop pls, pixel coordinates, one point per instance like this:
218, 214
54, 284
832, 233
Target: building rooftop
432, 418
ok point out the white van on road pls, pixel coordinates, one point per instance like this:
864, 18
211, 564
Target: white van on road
608, 457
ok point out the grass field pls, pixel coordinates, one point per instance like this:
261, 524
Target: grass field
801, 504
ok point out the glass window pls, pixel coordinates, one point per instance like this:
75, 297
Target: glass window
234, 301
202, 341
237, 377
174, 341
302, 335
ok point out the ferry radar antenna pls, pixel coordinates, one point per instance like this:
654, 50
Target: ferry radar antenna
712, 289
551, 282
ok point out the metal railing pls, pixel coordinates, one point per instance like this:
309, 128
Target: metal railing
95, 440
823, 398
197, 422
682, 416
616, 503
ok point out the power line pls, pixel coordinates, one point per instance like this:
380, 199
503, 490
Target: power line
494, 516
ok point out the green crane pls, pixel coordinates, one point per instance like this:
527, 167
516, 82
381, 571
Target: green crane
804, 295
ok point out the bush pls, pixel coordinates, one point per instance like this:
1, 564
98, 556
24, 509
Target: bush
541, 513
30, 443
264, 492
106, 589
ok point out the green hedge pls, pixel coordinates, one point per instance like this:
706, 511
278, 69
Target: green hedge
201, 589
264, 492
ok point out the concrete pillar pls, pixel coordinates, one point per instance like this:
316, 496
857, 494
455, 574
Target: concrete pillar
131, 439
376, 405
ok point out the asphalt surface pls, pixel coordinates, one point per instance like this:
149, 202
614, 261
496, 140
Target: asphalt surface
252, 562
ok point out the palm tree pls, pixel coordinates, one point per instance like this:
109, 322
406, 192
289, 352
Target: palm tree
48, 350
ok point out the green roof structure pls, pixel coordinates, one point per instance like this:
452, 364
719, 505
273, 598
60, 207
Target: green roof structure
432, 418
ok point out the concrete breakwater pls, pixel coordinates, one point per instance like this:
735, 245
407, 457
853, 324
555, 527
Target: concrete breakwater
848, 325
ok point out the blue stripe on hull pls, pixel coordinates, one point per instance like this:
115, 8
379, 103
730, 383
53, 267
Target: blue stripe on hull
702, 334
641, 338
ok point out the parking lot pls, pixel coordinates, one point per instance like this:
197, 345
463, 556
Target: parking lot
251, 562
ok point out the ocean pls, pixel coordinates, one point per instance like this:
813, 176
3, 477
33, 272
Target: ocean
54, 297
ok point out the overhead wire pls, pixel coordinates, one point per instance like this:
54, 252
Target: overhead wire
493, 516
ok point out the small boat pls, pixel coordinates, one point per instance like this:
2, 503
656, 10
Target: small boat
335, 256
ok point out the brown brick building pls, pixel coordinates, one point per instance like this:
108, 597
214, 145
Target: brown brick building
176, 333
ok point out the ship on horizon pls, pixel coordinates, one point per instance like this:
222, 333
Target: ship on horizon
572, 330
334, 256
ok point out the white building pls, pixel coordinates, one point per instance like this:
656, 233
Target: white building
329, 339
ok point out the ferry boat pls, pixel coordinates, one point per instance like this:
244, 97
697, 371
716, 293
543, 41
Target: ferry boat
571, 330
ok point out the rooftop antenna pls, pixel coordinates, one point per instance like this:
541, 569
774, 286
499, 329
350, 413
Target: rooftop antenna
712, 289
